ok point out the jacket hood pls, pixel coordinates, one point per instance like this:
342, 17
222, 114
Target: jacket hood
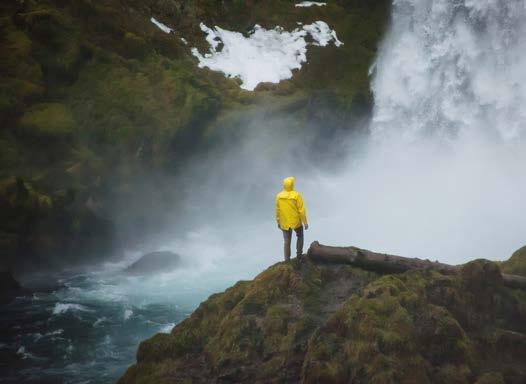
288, 183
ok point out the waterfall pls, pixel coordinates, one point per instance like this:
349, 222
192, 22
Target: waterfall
453, 67
444, 174
441, 176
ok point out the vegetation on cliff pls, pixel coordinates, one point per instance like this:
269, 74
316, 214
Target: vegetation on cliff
315, 323
94, 97
516, 264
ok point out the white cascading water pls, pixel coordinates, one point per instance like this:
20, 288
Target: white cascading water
451, 67
444, 175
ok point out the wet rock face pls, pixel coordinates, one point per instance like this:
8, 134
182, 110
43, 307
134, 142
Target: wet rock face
481, 275
155, 262
9, 287
44, 230
311, 323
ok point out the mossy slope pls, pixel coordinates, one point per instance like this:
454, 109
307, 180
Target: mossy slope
49, 227
94, 97
335, 324
516, 265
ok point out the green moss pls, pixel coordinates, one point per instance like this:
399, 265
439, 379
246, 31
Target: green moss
256, 328
19, 62
376, 336
481, 274
453, 374
48, 120
135, 46
490, 378
9, 154
516, 265
417, 327
57, 47
24, 195
134, 97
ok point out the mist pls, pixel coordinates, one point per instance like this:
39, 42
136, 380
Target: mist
437, 173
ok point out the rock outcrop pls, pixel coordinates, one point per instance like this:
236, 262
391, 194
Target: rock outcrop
9, 287
43, 230
155, 262
312, 322
516, 265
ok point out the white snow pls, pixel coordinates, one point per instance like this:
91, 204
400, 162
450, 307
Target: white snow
305, 4
266, 55
161, 26
185, 42
322, 34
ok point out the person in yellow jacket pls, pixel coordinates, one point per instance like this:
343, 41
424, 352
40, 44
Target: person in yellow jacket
291, 215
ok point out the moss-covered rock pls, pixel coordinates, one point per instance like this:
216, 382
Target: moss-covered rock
256, 331
376, 337
334, 324
516, 265
490, 378
47, 120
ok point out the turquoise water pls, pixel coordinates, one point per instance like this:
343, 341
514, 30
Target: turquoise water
87, 329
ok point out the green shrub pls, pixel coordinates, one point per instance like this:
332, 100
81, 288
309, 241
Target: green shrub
516, 265
48, 120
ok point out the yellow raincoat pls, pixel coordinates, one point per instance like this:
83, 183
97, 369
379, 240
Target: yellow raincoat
290, 211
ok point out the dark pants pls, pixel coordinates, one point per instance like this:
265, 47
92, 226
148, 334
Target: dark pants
287, 236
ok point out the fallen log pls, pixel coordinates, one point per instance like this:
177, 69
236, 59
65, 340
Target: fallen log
385, 263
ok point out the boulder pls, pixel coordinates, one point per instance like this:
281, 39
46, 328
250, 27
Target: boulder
516, 264
155, 262
9, 287
348, 315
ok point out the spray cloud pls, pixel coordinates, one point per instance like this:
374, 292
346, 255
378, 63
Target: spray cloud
440, 176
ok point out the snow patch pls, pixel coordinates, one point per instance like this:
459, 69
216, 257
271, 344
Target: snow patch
322, 34
305, 4
265, 55
161, 26
185, 42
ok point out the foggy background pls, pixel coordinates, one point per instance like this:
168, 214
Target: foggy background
438, 173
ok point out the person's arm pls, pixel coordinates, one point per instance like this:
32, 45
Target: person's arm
302, 211
276, 210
